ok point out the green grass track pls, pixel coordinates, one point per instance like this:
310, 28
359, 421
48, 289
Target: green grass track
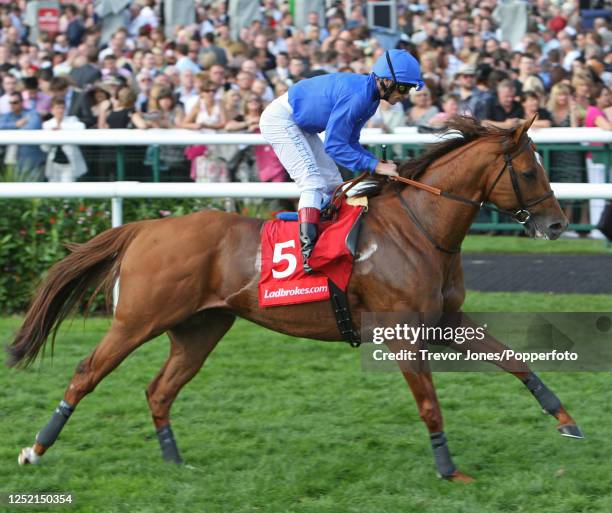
278, 425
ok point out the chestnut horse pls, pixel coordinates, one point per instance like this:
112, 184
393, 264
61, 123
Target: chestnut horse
191, 276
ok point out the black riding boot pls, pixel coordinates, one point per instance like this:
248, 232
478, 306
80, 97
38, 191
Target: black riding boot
309, 231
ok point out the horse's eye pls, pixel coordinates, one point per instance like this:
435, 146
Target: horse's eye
530, 175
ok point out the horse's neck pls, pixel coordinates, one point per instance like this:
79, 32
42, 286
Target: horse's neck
462, 173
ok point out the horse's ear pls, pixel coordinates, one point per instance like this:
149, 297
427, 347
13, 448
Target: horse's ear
522, 128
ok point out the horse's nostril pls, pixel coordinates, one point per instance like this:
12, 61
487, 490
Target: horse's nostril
556, 229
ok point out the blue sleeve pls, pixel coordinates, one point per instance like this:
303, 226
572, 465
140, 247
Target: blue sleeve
33, 122
342, 136
354, 143
7, 123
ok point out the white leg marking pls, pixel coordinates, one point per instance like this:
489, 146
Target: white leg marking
258, 261
367, 253
28, 456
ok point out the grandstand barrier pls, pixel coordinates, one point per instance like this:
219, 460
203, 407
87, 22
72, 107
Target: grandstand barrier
117, 191
404, 143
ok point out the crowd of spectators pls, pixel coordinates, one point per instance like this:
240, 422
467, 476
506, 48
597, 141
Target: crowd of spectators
475, 57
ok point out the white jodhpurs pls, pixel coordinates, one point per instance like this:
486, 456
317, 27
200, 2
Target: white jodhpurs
302, 154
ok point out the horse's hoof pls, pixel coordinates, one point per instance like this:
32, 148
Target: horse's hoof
28, 456
571, 431
459, 477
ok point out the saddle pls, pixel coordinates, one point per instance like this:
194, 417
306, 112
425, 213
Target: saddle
282, 279
364, 186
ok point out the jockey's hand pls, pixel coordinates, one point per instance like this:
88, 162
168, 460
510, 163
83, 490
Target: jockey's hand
387, 168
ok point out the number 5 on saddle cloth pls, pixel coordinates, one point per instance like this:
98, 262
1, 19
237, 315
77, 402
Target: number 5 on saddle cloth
283, 281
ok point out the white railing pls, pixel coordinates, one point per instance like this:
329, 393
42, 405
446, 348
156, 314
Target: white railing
116, 191
404, 135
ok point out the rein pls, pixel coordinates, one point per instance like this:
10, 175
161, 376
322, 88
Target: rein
521, 216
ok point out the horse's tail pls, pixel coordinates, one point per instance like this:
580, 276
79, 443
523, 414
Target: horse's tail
94, 263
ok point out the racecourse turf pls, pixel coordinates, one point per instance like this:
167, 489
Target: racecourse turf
275, 424
514, 244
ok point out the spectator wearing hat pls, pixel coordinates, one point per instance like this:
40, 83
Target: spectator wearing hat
466, 88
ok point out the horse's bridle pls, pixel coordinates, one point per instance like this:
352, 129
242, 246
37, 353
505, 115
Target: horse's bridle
521, 216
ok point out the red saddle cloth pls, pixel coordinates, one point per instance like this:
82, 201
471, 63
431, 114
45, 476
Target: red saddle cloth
283, 281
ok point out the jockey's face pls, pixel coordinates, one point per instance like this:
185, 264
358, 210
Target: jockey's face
395, 96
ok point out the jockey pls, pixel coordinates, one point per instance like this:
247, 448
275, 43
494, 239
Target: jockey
339, 104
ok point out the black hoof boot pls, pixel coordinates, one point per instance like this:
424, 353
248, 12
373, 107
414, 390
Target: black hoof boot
571, 431
309, 230
168, 445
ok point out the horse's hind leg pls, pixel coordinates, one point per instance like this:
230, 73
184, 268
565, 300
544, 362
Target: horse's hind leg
117, 344
191, 343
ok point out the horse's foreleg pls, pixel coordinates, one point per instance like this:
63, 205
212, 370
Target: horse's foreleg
421, 384
547, 399
109, 353
191, 343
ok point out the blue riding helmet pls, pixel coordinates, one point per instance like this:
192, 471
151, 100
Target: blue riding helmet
400, 67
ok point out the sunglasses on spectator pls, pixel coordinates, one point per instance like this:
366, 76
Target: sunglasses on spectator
208, 90
15, 102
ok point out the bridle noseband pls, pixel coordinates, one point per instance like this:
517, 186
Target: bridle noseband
521, 216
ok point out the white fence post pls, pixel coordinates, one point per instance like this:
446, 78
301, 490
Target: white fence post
117, 220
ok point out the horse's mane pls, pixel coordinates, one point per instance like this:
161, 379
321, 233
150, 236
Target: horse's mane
463, 130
